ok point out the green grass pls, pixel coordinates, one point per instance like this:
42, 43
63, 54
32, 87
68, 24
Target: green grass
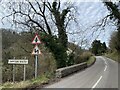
40, 80
26, 84
114, 56
91, 60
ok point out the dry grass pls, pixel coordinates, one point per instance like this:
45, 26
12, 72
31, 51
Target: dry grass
24, 84
114, 56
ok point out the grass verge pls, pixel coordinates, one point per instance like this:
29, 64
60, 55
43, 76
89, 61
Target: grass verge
114, 56
41, 80
91, 61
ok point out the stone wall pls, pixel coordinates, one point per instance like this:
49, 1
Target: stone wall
62, 72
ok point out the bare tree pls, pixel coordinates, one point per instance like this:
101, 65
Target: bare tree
42, 16
114, 9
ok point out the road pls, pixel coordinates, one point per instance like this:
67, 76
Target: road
103, 74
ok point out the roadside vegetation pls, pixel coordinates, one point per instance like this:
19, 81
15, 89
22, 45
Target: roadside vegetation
84, 57
98, 48
114, 43
32, 83
91, 61
19, 45
113, 55
113, 52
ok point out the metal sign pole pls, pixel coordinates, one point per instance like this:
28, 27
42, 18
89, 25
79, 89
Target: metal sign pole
36, 62
24, 72
24, 66
14, 72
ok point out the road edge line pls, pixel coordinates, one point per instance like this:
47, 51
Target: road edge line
105, 68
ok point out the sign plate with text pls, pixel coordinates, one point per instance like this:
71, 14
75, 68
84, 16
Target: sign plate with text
17, 61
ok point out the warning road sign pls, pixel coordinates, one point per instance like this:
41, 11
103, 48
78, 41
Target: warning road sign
36, 40
36, 51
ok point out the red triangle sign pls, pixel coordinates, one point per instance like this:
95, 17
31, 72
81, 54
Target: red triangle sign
36, 40
36, 51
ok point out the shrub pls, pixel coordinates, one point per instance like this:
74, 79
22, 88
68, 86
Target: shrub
83, 57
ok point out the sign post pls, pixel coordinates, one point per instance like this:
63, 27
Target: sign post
18, 62
36, 64
14, 72
24, 74
36, 51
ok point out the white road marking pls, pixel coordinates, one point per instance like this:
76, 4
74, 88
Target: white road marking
97, 82
105, 68
104, 60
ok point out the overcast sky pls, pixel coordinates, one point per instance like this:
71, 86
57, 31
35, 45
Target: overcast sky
88, 14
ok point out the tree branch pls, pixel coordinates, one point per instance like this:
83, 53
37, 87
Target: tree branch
30, 19
114, 9
58, 5
34, 9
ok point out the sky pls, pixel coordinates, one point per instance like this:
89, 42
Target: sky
89, 13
